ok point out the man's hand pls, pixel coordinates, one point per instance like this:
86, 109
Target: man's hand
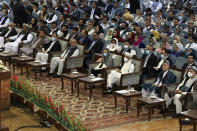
20, 44
7, 39
61, 58
155, 68
86, 51
99, 60
178, 92
155, 85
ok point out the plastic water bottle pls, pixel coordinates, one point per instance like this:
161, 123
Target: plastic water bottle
72, 68
89, 72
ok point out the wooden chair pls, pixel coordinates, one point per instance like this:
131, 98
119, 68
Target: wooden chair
129, 78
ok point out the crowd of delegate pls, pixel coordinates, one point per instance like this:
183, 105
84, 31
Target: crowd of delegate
161, 30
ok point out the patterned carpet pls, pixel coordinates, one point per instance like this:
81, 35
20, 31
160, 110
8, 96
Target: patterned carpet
95, 114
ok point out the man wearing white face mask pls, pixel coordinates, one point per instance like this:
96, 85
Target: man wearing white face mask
185, 86
52, 46
105, 62
127, 48
115, 75
158, 68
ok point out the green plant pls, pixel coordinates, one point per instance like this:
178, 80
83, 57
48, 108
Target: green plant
28, 91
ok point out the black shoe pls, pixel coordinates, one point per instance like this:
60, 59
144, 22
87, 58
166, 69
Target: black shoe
175, 116
51, 74
185, 122
108, 92
162, 111
56, 76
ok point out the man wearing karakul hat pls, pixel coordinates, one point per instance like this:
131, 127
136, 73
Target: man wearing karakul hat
182, 89
165, 77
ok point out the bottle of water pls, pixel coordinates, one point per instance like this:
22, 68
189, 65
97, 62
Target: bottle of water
129, 86
89, 72
72, 68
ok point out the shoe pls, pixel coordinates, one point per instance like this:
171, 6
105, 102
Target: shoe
175, 116
185, 122
56, 76
51, 74
162, 111
109, 91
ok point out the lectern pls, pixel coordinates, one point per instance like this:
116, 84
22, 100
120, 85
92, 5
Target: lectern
4, 94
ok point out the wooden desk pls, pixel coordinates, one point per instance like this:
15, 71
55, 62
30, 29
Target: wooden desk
21, 61
5, 94
90, 82
36, 65
72, 77
150, 104
126, 96
192, 115
7, 57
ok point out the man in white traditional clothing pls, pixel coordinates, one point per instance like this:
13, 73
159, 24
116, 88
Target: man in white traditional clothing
24, 37
115, 75
182, 89
4, 20
71, 51
6, 33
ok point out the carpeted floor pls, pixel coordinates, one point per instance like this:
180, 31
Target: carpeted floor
95, 114
17, 117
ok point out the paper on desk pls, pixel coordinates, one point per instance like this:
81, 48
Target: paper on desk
122, 91
96, 79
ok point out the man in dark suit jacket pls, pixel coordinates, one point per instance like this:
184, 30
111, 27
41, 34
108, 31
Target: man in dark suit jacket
75, 12
6, 33
86, 8
158, 68
95, 13
149, 61
54, 28
52, 46
95, 47
85, 40
165, 77
108, 6
74, 34
191, 59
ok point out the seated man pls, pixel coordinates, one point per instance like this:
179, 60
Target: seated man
165, 77
190, 62
149, 61
36, 44
24, 37
52, 46
6, 33
115, 75
104, 62
71, 51
158, 68
95, 47
185, 86
4, 20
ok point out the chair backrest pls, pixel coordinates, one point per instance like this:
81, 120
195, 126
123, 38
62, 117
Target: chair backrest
74, 62
64, 44
180, 61
172, 58
81, 49
117, 59
18, 30
178, 74
133, 79
138, 65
